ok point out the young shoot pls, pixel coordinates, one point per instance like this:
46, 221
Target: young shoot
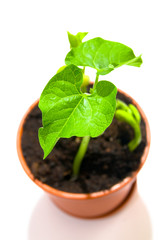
130, 115
68, 110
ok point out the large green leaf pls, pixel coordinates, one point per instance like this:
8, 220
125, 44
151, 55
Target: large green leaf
66, 111
102, 55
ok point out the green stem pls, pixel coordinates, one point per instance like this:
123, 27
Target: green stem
127, 117
130, 114
80, 155
84, 142
137, 138
84, 85
96, 81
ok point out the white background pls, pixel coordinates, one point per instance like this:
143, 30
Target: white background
33, 45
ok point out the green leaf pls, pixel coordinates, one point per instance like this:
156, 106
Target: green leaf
102, 55
67, 112
76, 40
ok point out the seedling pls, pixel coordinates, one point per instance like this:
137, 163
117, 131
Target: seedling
68, 110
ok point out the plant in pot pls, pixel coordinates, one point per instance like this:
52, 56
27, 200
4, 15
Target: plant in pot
94, 137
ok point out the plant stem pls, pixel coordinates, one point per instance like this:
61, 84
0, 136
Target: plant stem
80, 155
96, 81
85, 140
137, 138
126, 116
84, 84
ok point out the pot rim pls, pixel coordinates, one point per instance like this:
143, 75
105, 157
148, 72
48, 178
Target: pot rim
82, 196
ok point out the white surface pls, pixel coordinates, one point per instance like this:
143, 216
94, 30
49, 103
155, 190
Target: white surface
33, 45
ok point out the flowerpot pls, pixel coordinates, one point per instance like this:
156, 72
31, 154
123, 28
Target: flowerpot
92, 204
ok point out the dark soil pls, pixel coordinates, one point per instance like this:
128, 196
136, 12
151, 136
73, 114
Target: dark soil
107, 161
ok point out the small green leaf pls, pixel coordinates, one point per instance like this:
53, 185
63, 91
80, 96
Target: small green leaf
76, 40
67, 112
102, 55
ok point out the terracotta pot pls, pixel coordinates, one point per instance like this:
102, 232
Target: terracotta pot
87, 205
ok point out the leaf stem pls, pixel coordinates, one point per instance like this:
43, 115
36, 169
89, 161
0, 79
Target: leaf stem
80, 155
